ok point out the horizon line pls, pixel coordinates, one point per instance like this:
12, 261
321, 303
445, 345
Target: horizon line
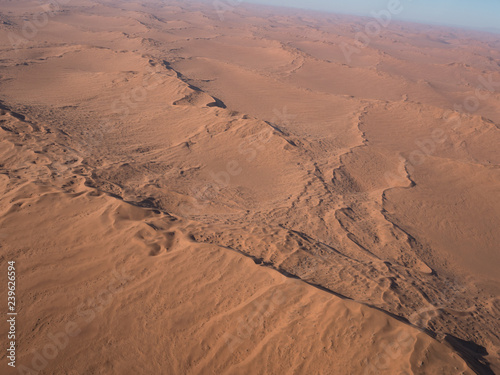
491, 30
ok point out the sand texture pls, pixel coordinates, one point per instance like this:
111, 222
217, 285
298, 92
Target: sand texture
190, 190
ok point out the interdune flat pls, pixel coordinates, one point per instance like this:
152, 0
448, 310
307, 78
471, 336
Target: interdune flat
186, 190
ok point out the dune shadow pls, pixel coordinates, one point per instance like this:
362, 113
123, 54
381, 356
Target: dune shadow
471, 353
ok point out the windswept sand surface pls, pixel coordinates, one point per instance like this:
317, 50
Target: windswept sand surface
186, 191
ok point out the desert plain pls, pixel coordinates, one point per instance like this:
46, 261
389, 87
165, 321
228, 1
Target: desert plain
194, 187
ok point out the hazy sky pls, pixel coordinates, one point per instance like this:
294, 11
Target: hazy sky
468, 13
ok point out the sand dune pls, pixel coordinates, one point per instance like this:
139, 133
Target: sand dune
185, 194
131, 281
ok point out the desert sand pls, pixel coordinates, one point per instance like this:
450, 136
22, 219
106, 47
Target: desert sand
222, 188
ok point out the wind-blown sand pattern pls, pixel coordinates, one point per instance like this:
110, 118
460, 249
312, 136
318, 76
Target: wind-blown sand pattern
186, 193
